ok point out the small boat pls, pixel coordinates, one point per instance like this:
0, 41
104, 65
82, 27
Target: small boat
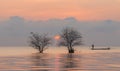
93, 48
100, 48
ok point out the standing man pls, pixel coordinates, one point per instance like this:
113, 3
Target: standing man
92, 46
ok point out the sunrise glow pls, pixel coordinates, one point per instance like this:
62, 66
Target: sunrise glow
47, 9
57, 37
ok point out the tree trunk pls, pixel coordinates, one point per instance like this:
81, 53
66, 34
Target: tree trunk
71, 51
40, 50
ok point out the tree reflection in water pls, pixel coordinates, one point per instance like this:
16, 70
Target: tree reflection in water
69, 62
41, 62
63, 62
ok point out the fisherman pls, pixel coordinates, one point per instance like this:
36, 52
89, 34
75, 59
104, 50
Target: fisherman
92, 46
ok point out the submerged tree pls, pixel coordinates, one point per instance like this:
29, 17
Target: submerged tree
39, 42
69, 38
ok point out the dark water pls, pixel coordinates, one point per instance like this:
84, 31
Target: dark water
62, 62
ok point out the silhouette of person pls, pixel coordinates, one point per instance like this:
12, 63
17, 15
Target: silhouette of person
92, 46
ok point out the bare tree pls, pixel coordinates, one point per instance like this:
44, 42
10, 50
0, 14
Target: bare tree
69, 38
39, 42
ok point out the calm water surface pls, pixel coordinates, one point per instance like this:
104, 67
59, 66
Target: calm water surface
84, 60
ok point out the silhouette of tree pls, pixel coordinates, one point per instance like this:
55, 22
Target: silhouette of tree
69, 38
39, 42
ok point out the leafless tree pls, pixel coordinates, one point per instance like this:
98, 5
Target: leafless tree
69, 38
39, 42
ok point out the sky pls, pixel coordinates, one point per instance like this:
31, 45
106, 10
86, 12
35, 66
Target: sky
15, 31
47, 9
97, 20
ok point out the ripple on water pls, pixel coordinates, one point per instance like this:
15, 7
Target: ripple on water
62, 62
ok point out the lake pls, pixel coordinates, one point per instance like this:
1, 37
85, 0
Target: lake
57, 59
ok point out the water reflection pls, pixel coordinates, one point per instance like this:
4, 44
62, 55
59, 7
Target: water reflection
69, 62
62, 62
41, 62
